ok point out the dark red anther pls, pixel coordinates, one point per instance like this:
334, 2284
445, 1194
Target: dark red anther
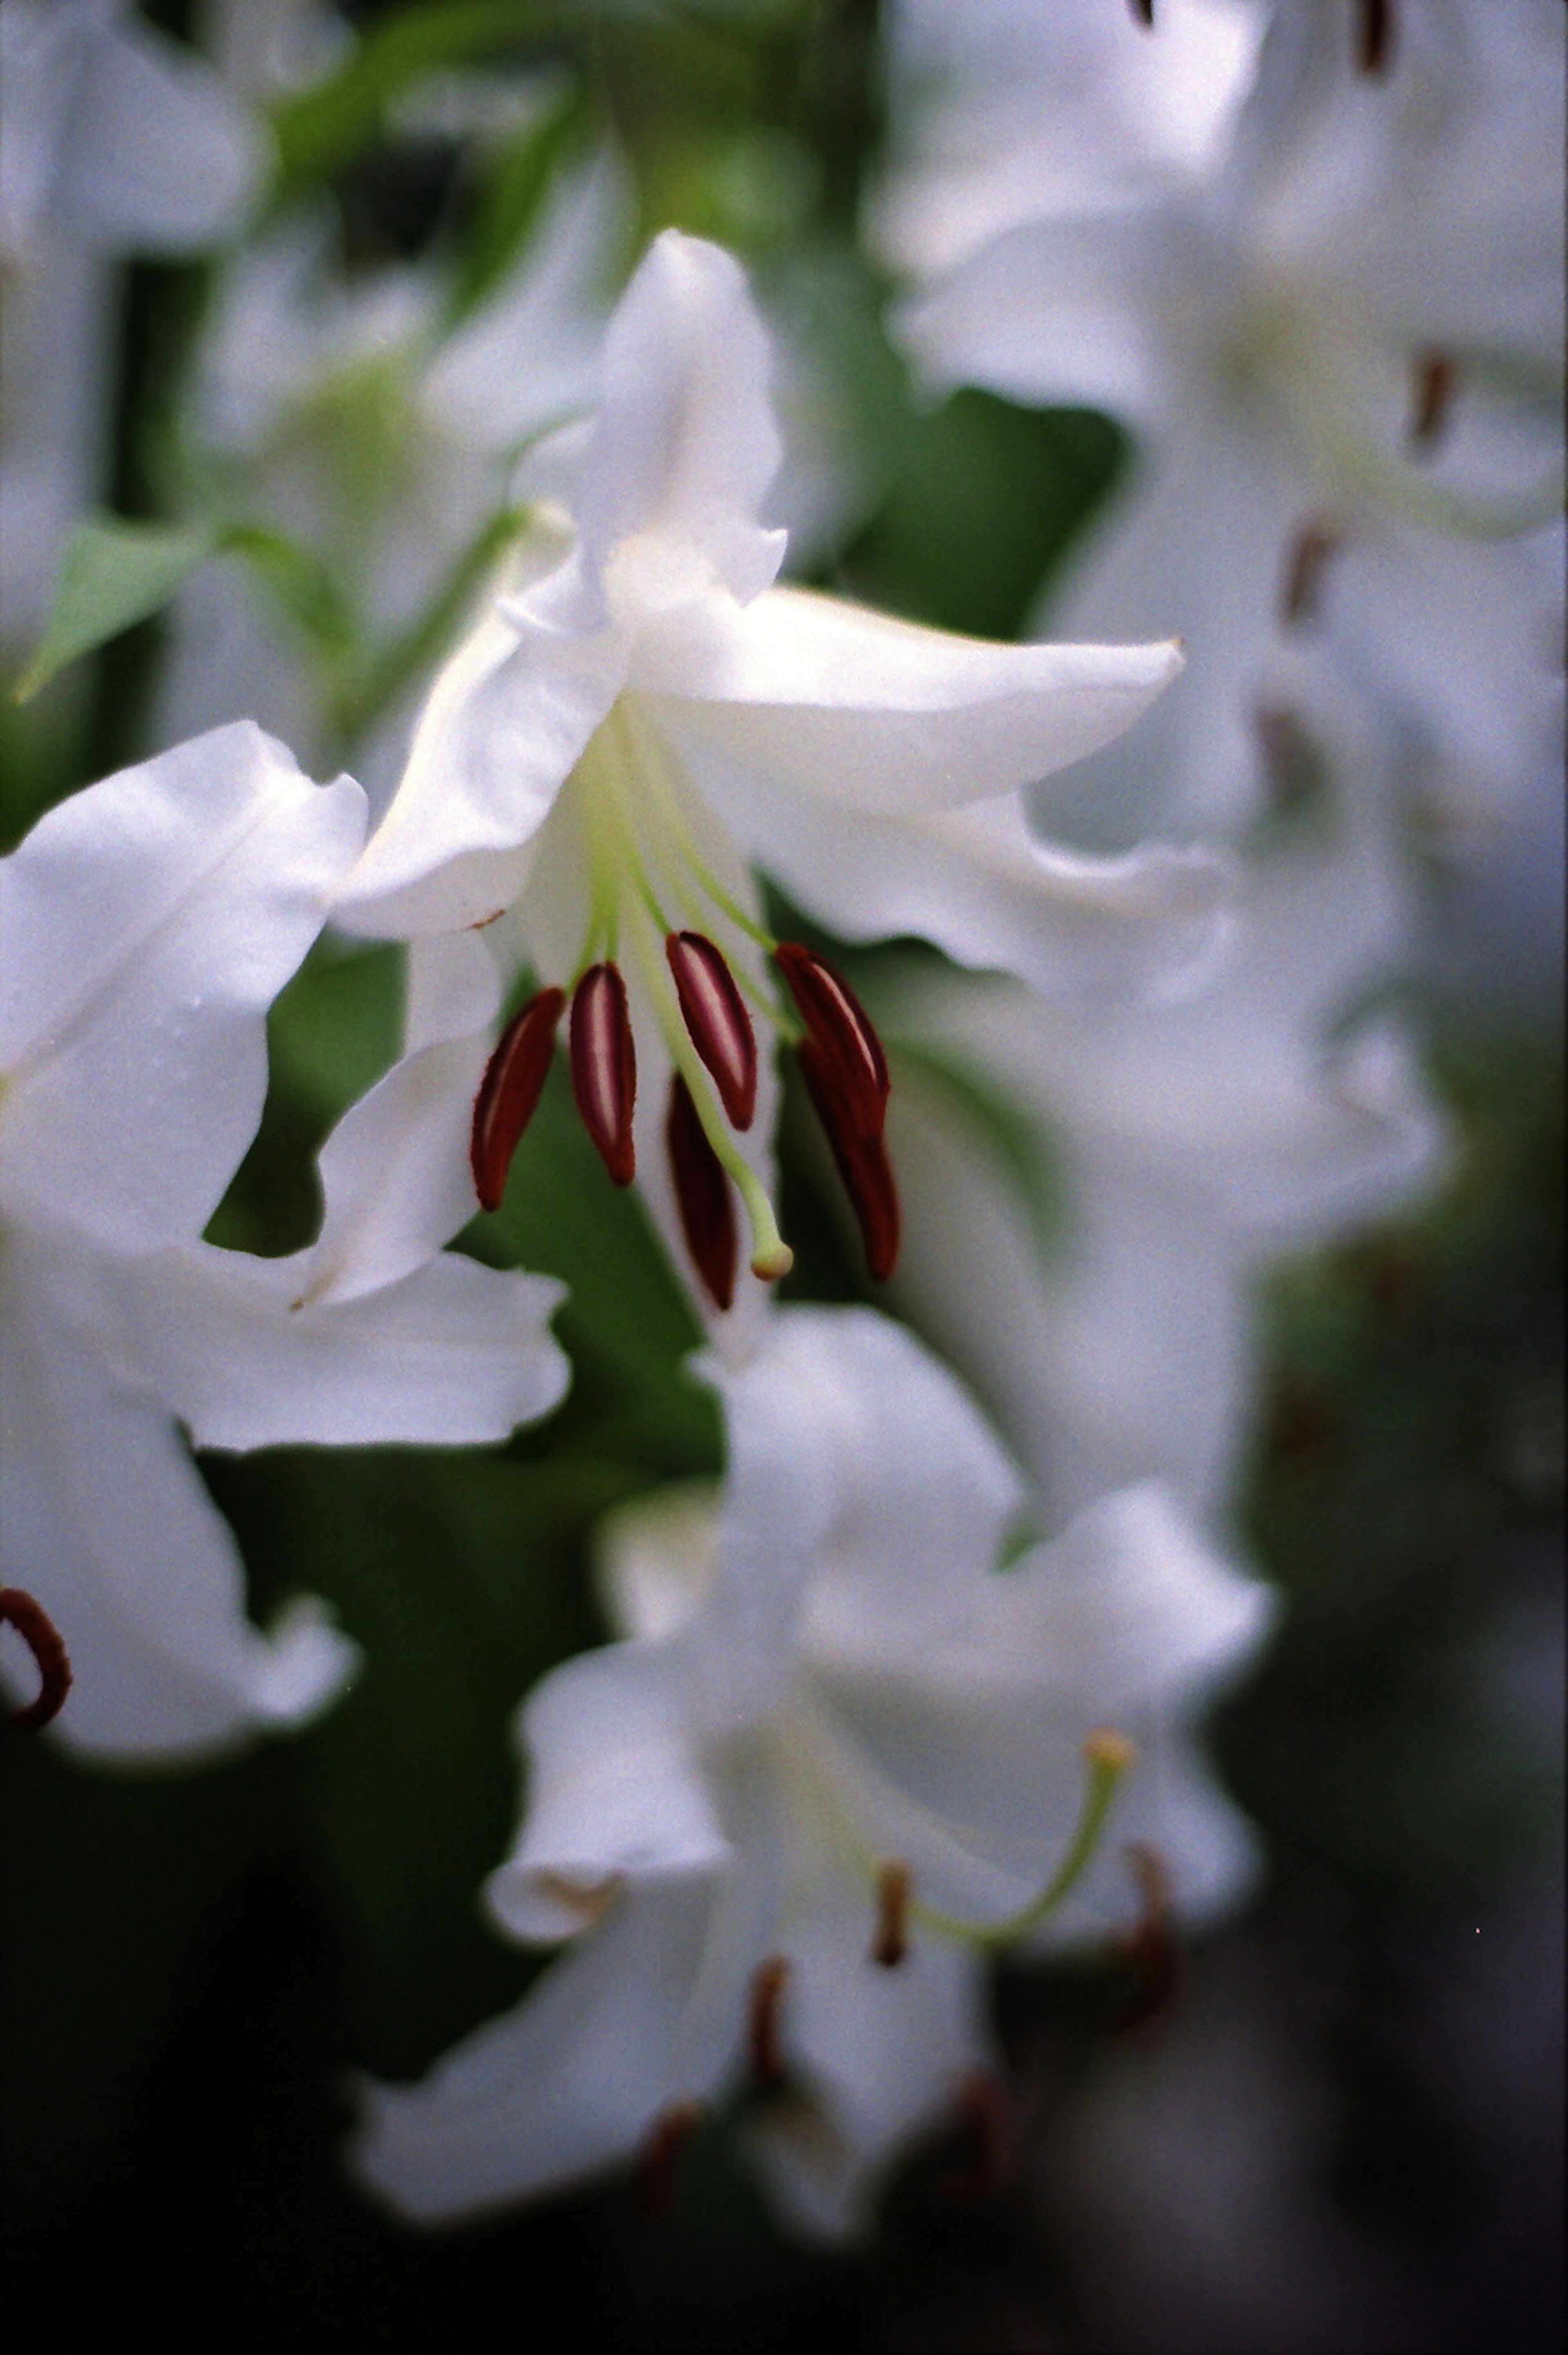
765, 2048
890, 1944
604, 1068
19, 1609
715, 1014
1144, 11
986, 2121
510, 1089
839, 1028
1432, 386
1374, 35
658, 2161
703, 1196
861, 1159
1150, 1949
1303, 581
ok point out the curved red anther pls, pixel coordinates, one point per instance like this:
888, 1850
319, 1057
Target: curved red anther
895, 1888
604, 1068
861, 1159
514, 1077
703, 1196
839, 1028
20, 1610
1374, 35
764, 2045
715, 1014
1301, 588
658, 2161
1432, 389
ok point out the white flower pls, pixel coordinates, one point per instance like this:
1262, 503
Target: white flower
1092, 1189
148, 924
833, 1727
1338, 333
112, 140
350, 415
645, 711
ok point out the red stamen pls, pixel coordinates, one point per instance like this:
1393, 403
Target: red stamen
716, 1016
1433, 395
510, 1091
763, 2049
43, 1639
1309, 552
840, 1029
1150, 1949
895, 1887
604, 1068
660, 2158
986, 2120
862, 1160
703, 1196
1374, 35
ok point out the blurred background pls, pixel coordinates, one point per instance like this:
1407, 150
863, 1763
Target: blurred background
1344, 2129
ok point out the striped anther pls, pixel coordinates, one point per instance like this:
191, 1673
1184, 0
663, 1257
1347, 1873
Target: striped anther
604, 1068
840, 1029
861, 1158
703, 1196
715, 1015
510, 1091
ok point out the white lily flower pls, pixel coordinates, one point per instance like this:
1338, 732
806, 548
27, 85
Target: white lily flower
1338, 333
148, 924
643, 711
1092, 1189
113, 139
835, 1750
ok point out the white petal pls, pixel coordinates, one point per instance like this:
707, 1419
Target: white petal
1049, 312
570, 2083
683, 445
881, 2054
970, 1745
395, 1177
616, 1792
655, 1559
978, 883
149, 923
161, 154
816, 696
108, 1525
453, 1352
847, 1445
500, 732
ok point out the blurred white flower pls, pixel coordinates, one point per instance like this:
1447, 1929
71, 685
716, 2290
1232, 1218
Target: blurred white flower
1337, 328
835, 1744
149, 921
113, 139
1092, 1187
642, 710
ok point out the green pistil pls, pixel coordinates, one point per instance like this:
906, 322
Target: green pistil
1108, 1757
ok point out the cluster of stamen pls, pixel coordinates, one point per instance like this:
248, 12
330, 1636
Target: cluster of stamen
712, 1099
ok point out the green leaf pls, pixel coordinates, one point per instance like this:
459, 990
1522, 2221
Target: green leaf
114, 573
511, 197
324, 126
